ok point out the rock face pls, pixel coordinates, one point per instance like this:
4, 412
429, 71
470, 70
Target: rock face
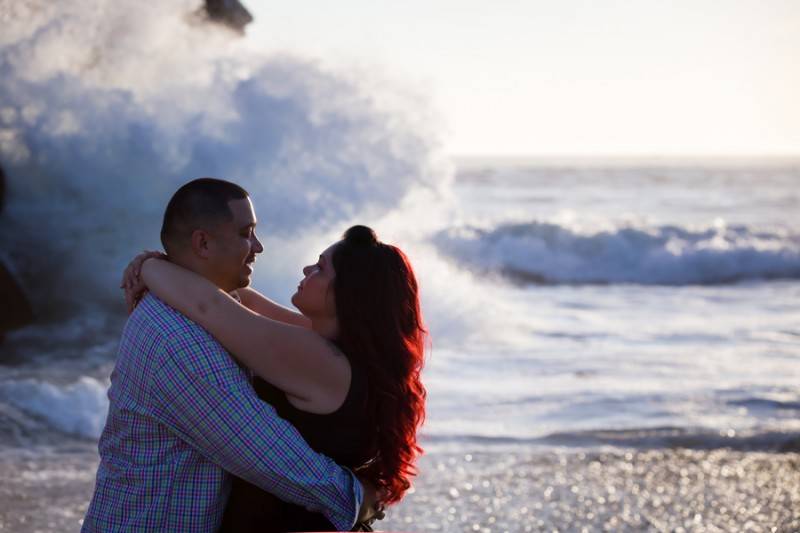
229, 13
15, 310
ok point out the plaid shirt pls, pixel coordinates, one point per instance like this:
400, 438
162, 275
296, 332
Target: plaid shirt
182, 415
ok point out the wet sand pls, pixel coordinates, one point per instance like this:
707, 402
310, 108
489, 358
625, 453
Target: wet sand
658, 490
515, 491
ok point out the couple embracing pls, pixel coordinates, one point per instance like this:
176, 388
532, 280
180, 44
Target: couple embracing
229, 412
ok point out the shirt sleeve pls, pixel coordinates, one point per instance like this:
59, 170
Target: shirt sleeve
206, 399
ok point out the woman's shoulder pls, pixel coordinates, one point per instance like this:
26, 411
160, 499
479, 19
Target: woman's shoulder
329, 396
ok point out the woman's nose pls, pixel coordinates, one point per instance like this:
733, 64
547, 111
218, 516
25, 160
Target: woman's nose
306, 270
257, 246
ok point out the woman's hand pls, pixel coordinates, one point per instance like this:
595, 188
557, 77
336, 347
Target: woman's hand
132, 282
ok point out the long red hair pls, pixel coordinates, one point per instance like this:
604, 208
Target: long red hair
381, 328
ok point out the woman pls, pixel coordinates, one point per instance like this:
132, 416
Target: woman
345, 372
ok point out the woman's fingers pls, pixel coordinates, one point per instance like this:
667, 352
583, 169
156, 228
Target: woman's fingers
129, 277
124, 281
131, 281
132, 297
128, 301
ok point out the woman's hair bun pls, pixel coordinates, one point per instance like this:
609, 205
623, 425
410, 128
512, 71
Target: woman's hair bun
361, 235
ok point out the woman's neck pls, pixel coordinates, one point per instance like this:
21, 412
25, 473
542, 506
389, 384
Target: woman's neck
326, 327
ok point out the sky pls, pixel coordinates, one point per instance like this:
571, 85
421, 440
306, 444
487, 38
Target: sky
571, 78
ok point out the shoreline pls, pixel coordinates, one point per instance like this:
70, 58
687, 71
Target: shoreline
48, 489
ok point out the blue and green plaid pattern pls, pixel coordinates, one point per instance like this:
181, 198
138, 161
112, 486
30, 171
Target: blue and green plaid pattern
182, 416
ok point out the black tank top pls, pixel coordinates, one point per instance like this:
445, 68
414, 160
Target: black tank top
346, 436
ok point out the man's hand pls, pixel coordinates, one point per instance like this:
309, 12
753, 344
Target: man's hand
132, 282
371, 508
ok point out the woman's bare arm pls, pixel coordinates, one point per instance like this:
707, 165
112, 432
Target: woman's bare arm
255, 301
293, 358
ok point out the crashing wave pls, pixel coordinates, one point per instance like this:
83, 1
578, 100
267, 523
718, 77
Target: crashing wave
539, 252
78, 409
107, 107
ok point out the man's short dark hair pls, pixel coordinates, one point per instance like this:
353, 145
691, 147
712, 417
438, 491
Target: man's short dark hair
199, 204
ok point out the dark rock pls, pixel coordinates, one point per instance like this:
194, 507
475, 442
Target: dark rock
15, 310
230, 13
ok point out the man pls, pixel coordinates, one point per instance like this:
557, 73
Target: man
183, 415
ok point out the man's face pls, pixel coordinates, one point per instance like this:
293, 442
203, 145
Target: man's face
233, 247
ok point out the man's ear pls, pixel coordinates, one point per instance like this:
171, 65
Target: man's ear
200, 244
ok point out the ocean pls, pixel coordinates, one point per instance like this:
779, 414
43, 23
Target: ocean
575, 305
623, 305
599, 328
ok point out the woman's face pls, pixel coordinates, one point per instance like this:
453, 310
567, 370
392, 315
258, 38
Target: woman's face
314, 297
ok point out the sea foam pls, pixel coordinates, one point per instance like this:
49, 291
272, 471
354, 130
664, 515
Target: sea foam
79, 408
106, 108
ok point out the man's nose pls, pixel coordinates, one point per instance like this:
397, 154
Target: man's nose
306, 270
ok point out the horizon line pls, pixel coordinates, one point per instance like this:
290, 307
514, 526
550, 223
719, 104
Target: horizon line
771, 159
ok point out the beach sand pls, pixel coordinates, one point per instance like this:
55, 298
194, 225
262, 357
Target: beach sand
657, 490
516, 491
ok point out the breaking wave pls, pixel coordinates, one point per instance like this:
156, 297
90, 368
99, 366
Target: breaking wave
79, 408
106, 108
539, 252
